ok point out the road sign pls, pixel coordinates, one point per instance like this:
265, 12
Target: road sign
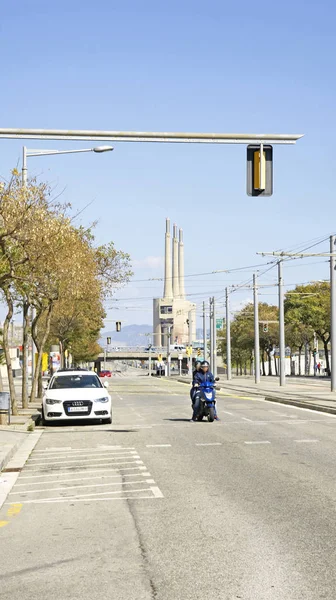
259, 171
219, 323
180, 356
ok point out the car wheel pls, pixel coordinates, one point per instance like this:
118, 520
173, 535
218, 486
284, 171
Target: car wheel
44, 422
107, 421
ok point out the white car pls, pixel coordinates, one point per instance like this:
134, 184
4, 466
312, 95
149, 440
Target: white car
76, 394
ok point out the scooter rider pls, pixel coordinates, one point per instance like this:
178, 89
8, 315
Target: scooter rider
193, 389
202, 376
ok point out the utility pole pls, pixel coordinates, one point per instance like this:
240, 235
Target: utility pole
228, 336
256, 331
150, 360
333, 313
281, 326
104, 359
168, 349
190, 320
211, 335
214, 325
204, 334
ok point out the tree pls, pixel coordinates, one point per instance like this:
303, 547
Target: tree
309, 306
21, 212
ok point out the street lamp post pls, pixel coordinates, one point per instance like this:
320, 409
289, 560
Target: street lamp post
26, 153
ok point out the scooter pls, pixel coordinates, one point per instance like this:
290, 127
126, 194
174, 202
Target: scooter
206, 393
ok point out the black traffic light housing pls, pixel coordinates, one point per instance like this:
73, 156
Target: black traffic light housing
108, 341
118, 325
259, 180
265, 328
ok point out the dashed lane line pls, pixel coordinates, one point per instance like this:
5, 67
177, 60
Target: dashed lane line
306, 441
210, 444
158, 445
258, 442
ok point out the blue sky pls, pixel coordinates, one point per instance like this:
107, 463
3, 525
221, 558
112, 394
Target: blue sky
180, 66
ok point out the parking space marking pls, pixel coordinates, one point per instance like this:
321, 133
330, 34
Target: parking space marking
96, 470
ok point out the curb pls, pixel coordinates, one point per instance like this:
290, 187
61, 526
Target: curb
16, 464
5, 460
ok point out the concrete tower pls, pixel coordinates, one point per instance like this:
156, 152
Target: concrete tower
168, 288
181, 265
176, 283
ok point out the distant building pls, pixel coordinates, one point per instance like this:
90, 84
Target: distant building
173, 310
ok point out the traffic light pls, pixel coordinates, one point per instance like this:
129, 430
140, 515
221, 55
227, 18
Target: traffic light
118, 325
265, 328
198, 352
314, 352
259, 171
109, 341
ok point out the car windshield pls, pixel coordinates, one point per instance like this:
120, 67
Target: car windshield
75, 381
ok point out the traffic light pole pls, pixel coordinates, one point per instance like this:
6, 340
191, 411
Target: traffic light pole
256, 331
281, 326
228, 337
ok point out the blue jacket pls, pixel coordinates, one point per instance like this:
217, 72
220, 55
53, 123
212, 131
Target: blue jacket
201, 377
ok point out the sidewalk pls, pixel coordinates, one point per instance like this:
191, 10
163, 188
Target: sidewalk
13, 435
313, 393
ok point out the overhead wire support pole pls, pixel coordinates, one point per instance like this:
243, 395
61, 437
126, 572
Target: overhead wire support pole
333, 313
228, 337
214, 326
256, 331
211, 334
204, 334
281, 326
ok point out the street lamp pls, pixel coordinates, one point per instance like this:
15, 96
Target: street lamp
26, 153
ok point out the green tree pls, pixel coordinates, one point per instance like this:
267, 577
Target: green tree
308, 308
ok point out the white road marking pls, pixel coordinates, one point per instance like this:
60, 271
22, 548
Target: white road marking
82, 458
76, 487
305, 441
75, 500
311, 410
74, 451
96, 470
83, 463
54, 449
158, 445
246, 419
157, 492
261, 442
72, 480
226, 412
92, 496
210, 444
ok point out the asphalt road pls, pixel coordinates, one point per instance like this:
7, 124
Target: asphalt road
156, 507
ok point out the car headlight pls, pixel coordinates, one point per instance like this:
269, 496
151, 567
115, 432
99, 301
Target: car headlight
105, 399
51, 401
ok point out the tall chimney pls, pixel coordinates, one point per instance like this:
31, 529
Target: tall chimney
181, 265
176, 286
168, 289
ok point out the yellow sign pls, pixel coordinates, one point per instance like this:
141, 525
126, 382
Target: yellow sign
160, 357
